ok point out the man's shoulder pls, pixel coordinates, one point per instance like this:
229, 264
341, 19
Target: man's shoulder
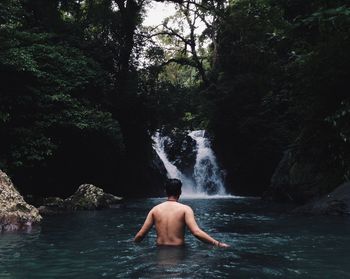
185, 206
156, 206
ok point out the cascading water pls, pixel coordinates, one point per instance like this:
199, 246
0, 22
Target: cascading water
207, 178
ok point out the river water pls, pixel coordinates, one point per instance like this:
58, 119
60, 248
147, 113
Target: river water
265, 243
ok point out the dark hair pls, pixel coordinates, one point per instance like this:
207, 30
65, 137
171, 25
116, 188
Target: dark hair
173, 187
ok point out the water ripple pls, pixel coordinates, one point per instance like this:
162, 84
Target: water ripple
99, 244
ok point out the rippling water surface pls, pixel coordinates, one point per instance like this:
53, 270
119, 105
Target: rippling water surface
264, 244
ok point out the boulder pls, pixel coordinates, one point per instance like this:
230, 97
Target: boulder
90, 197
53, 205
181, 150
87, 197
302, 176
335, 203
15, 213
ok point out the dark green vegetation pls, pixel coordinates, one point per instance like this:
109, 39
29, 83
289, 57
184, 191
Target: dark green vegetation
84, 84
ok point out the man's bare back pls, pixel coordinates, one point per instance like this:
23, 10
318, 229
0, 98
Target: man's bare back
170, 219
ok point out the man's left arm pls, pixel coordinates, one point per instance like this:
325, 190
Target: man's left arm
145, 228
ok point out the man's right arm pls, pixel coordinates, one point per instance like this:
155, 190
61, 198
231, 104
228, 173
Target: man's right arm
197, 232
145, 228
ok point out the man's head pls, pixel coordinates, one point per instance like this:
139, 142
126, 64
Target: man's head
173, 187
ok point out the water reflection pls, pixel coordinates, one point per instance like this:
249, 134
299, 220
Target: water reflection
170, 255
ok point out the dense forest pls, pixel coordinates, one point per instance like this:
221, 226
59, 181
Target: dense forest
84, 85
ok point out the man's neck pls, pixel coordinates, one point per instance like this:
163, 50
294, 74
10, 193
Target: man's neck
174, 199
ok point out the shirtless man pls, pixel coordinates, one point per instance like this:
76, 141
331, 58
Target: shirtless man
170, 218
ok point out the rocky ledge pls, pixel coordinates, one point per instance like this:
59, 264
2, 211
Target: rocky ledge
335, 203
87, 197
15, 213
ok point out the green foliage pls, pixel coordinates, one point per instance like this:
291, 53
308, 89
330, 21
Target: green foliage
262, 75
47, 86
281, 71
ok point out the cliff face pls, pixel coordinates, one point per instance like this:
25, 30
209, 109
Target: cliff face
15, 213
294, 180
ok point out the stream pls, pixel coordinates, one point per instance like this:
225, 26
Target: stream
265, 243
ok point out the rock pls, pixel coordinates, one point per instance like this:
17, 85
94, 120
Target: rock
87, 197
181, 150
301, 177
335, 203
158, 176
90, 197
15, 213
53, 205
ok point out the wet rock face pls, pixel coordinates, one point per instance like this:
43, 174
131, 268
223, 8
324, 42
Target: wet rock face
15, 213
181, 150
87, 197
158, 176
335, 203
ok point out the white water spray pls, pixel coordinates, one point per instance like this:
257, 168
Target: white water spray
207, 177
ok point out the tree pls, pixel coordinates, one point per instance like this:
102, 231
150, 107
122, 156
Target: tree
49, 89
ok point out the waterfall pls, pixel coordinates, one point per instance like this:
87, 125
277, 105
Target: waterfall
207, 178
